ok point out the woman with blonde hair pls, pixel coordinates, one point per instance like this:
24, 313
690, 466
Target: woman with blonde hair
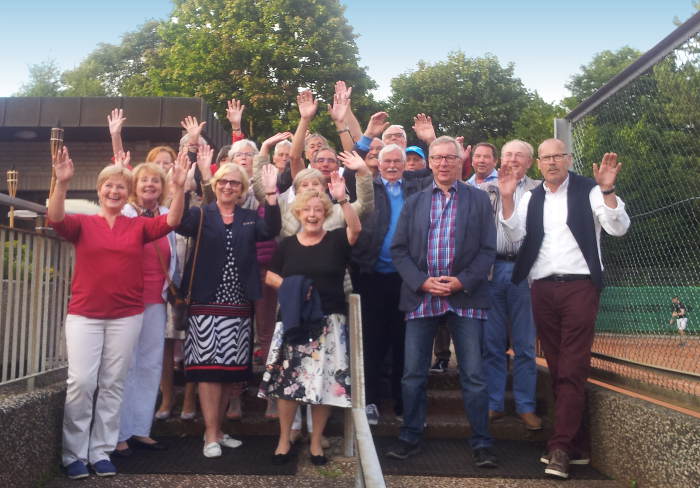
226, 281
105, 312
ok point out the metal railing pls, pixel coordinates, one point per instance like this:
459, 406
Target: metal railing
35, 272
357, 430
649, 115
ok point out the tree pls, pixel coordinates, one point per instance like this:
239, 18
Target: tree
44, 80
261, 52
115, 70
472, 97
604, 66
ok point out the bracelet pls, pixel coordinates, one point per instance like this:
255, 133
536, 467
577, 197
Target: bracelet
344, 130
343, 201
608, 192
269, 193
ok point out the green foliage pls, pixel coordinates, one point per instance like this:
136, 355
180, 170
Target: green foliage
44, 80
262, 52
599, 71
113, 70
473, 97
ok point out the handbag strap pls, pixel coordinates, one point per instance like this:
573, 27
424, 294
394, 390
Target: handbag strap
194, 256
171, 285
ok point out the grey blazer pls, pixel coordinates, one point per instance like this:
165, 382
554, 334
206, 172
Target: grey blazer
475, 247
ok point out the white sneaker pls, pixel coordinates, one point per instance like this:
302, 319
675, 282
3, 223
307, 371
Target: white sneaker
372, 414
212, 450
230, 442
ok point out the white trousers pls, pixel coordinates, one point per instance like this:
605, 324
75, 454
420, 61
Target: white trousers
143, 379
99, 354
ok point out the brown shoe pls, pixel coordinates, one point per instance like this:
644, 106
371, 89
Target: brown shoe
558, 466
494, 415
531, 421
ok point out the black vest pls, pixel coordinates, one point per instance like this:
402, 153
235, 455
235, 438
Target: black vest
580, 222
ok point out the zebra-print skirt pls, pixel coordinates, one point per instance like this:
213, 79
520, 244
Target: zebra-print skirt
218, 344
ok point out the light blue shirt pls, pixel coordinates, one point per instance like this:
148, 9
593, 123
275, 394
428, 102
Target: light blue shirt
384, 262
472, 180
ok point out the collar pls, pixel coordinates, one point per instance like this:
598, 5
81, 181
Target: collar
453, 187
387, 182
564, 186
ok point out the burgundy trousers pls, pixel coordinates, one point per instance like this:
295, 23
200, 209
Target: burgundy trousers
565, 315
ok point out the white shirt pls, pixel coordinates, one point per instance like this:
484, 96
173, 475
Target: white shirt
559, 252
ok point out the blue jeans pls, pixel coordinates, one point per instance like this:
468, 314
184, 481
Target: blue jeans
510, 305
466, 336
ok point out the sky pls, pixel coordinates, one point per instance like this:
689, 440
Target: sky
547, 40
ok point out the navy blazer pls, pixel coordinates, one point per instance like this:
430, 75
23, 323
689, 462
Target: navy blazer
248, 228
475, 247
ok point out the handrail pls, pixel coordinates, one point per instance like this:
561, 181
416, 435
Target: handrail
369, 469
21, 204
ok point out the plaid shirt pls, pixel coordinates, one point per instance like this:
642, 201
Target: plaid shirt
440, 256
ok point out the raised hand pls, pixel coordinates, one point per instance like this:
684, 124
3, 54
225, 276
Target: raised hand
341, 104
268, 178
204, 158
352, 160
234, 113
507, 182
122, 159
606, 174
377, 124
115, 120
193, 128
336, 186
423, 127
63, 167
178, 174
307, 105
342, 90
272, 141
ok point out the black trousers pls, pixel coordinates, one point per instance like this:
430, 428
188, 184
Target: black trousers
383, 328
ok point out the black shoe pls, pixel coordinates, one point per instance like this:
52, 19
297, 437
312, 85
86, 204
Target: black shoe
122, 453
484, 458
280, 459
403, 450
156, 446
319, 460
440, 366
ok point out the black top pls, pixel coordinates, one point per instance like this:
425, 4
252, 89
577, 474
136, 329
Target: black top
324, 263
679, 308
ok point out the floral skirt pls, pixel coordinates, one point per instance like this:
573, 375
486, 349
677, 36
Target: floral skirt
316, 373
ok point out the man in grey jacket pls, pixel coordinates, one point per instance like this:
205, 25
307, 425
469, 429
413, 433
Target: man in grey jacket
510, 305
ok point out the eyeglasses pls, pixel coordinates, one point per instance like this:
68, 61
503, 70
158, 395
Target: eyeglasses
243, 155
450, 158
557, 158
395, 135
232, 183
326, 160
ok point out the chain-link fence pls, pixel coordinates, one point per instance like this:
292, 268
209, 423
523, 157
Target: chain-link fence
650, 115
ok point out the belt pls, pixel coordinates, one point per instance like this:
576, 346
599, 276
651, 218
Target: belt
565, 277
506, 257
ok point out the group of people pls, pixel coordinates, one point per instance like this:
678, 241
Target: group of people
268, 249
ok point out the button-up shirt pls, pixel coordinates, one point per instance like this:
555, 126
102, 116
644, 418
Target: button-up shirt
559, 252
440, 255
472, 179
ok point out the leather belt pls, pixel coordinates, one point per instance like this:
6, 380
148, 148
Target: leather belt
506, 257
566, 277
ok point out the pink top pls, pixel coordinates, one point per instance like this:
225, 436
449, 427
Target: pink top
153, 275
108, 276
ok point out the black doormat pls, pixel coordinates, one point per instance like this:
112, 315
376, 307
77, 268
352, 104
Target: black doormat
184, 456
453, 458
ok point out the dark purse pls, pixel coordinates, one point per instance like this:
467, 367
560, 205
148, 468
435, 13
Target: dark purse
181, 305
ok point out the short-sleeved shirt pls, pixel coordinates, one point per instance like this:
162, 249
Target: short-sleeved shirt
680, 309
324, 263
108, 276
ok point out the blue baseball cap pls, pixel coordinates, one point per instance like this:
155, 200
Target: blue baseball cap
415, 149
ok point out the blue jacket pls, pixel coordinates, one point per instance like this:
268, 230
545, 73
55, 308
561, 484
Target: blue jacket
475, 247
248, 228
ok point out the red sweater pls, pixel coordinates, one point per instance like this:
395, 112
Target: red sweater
108, 275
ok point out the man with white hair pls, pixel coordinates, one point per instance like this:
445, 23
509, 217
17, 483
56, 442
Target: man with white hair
510, 305
395, 134
559, 224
